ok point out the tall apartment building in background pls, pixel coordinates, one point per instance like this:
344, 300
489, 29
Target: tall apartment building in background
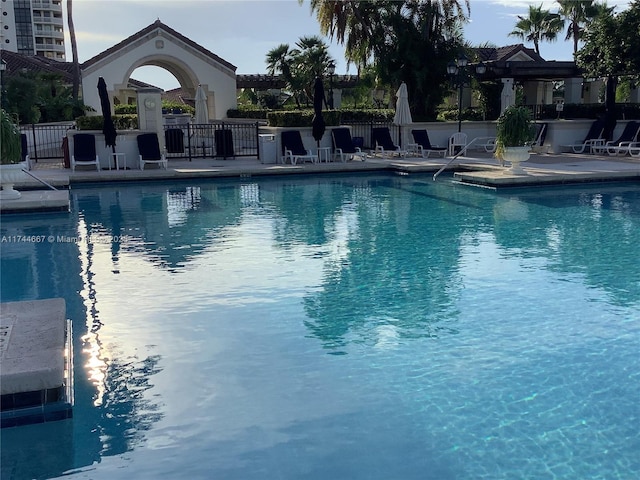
33, 27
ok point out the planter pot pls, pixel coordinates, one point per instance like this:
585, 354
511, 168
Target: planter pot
9, 176
516, 155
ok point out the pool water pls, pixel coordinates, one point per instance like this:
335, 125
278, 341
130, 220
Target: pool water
338, 327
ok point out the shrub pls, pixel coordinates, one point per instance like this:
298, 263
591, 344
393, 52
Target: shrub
301, 118
10, 142
121, 122
514, 129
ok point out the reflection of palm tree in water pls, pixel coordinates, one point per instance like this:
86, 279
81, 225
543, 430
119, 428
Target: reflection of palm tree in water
126, 414
410, 287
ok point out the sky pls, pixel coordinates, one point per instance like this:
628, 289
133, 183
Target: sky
243, 31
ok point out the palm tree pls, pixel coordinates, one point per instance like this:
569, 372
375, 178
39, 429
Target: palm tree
577, 13
540, 25
406, 40
300, 65
74, 52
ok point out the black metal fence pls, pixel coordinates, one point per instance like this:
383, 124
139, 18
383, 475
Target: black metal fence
218, 139
363, 130
45, 141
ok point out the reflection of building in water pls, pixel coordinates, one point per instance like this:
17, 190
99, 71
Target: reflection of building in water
192, 216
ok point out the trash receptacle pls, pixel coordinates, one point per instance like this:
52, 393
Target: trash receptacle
267, 148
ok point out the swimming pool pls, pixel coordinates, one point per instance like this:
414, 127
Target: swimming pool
347, 327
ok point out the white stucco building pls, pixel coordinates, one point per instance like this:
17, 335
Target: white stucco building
161, 46
33, 27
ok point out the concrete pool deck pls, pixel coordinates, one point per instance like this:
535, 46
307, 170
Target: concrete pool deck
477, 169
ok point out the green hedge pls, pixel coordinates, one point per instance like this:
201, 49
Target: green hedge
372, 115
573, 111
258, 113
304, 118
125, 109
166, 106
121, 122
301, 118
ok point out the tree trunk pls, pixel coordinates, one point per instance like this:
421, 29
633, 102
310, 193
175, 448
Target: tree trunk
74, 51
610, 107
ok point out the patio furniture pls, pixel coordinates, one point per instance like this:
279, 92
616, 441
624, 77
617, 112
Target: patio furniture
423, 146
592, 141
293, 148
343, 145
174, 140
628, 137
540, 136
383, 143
149, 150
84, 151
457, 142
224, 143
24, 147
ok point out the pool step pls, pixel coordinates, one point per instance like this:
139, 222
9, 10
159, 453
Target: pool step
36, 382
31, 201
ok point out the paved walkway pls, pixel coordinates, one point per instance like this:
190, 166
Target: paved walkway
479, 168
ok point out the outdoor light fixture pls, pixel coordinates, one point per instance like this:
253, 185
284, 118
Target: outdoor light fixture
331, 70
460, 77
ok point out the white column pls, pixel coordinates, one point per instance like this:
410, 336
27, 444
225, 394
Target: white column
573, 90
150, 112
592, 91
547, 97
337, 98
508, 96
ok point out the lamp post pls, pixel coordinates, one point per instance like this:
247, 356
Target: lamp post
331, 70
459, 77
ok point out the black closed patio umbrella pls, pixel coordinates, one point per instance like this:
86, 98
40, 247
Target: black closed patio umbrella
318, 125
108, 128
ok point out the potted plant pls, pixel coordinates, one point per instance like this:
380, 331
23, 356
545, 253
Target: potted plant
514, 130
10, 157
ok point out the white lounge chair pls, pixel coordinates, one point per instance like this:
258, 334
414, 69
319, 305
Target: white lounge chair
293, 149
457, 142
149, 150
84, 151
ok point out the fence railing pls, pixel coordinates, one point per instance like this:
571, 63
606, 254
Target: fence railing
44, 141
363, 130
219, 139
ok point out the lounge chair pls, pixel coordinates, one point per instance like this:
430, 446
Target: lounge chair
628, 137
24, 148
84, 151
592, 141
149, 150
293, 149
457, 142
174, 140
540, 137
224, 143
422, 145
383, 143
343, 146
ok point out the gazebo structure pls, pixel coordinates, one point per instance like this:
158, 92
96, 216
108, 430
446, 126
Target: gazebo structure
161, 46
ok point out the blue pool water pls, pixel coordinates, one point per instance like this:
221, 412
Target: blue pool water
352, 327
